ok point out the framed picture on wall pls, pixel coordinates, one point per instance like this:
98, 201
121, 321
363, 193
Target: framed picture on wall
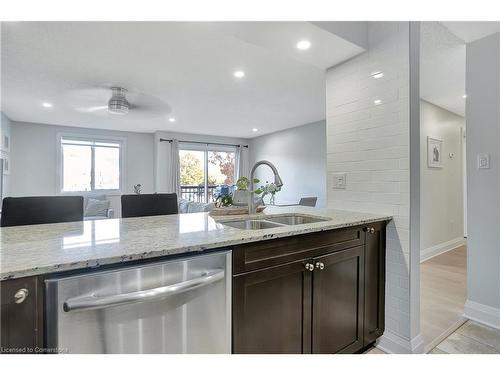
434, 153
6, 164
5, 143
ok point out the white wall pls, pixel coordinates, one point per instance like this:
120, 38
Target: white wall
441, 220
34, 159
162, 153
442, 68
483, 185
371, 144
300, 157
5, 129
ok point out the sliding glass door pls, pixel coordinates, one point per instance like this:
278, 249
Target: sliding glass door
204, 169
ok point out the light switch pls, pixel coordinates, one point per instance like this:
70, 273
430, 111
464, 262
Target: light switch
483, 161
339, 180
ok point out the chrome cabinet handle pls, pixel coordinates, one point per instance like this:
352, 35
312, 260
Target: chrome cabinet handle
309, 266
320, 265
95, 302
20, 295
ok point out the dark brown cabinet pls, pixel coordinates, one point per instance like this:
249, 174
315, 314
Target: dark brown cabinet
374, 282
270, 307
337, 318
21, 316
327, 296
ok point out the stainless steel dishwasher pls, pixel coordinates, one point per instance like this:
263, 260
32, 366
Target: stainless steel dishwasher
175, 306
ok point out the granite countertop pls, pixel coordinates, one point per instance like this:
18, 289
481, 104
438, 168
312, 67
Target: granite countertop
42, 249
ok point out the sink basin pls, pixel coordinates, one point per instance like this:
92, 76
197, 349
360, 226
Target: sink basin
252, 224
296, 219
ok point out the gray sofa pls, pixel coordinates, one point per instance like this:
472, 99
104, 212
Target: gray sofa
186, 207
97, 207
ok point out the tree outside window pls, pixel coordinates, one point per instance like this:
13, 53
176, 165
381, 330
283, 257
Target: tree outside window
202, 167
221, 167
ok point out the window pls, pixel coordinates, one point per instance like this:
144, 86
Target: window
204, 169
90, 164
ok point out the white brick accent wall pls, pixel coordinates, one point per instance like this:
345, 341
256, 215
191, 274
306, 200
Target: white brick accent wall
370, 143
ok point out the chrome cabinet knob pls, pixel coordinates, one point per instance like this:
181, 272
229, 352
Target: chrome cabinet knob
21, 295
320, 265
309, 266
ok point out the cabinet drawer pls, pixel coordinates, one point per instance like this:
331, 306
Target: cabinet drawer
253, 256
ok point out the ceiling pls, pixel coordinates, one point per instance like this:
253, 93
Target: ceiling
470, 31
442, 60
442, 67
187, 66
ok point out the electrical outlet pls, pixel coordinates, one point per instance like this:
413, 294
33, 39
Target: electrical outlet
339, 180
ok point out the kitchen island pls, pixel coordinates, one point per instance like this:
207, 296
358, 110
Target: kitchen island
315, 267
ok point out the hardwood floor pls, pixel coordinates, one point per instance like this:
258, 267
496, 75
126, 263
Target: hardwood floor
470, 338
443, 288
443, 291
374, 350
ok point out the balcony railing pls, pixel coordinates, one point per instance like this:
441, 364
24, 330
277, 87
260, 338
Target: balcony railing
196, 193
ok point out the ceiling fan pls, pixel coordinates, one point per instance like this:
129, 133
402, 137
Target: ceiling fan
118, 103
117, 100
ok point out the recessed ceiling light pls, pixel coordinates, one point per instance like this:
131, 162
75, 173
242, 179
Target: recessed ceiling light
464, 96
239, 74
304, 45
46, 105
377, 101
377, 75
171, 119
255, 130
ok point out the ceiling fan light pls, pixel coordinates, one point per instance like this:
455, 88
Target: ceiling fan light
117, 108
118, 103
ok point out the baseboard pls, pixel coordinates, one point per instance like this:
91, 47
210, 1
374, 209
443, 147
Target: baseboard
441, 248
394, 344
484, 314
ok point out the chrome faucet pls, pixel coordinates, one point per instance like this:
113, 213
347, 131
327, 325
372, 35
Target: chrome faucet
252, 207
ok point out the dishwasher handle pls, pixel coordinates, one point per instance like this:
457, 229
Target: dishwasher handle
94, 302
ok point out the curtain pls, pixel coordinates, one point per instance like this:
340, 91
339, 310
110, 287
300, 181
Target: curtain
241, 162
175, 175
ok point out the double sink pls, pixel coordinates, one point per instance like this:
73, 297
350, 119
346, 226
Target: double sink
274, 222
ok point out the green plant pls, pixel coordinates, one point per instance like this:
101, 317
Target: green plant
226, 201
243, 183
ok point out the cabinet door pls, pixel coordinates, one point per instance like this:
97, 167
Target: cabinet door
337, 317
272, 310
374, 282
21, 322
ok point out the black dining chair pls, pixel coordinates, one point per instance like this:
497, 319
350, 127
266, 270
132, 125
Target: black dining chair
308, 201
41, 210
134, 205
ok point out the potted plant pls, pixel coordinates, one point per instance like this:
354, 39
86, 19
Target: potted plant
270, 189
241, 195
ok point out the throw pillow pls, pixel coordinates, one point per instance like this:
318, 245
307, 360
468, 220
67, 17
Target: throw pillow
97, 207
